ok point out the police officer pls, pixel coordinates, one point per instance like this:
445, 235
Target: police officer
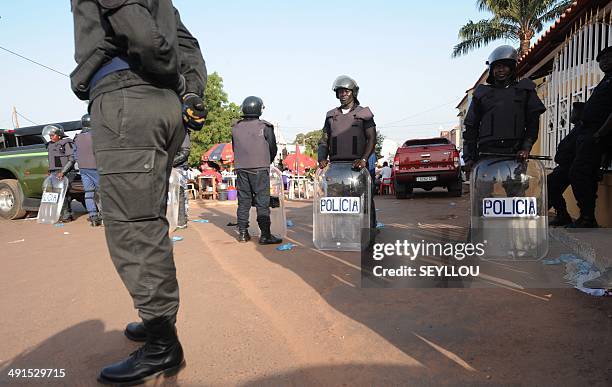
180, 162
504, 114
349, 132
136, 64
558, 179
254, 145
84, 156
61, 162
592, 138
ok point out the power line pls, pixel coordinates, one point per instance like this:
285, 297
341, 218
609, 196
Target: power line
26, 118
35, 62
424, 111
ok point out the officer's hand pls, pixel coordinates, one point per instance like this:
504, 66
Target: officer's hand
359, 164
194, 112
323, 164
60, 175
522, 155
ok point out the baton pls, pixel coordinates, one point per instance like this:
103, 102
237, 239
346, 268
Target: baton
532, 157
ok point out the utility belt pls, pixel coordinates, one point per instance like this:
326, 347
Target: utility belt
118, 63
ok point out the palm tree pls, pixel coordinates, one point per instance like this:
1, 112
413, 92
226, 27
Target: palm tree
517, 20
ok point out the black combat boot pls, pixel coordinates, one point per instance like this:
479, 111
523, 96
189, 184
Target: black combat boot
584, 222
562, 218
266, 237
95, 221
162, 353
243, 236
135, 331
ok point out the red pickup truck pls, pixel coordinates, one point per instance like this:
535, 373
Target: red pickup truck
427, 163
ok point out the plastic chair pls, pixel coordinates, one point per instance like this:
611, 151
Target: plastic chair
384, 183
191, 190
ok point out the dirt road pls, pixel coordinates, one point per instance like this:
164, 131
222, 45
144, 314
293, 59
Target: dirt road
252, 315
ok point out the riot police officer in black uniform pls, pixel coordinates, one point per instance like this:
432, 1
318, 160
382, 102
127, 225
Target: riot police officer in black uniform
593, 138
254, 146
61, 162
143, 74
504, 114
349, 132
84, 156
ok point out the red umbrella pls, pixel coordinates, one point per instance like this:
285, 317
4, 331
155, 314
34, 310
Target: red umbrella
298, 162
220, 152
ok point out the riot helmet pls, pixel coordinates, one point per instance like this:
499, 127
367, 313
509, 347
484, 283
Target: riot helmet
252, 107
506, 54
346, 82
86, 121
51, 130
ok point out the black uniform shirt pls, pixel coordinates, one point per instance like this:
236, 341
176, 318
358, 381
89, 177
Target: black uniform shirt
599, 105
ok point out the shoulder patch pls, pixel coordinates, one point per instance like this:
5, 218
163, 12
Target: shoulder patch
481, 90
364, 113
526, 84
332, 113
267, 123
111, 4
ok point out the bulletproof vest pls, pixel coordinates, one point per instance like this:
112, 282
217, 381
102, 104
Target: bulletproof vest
85, 155
504, 112
59, 153
251, 150
347, 138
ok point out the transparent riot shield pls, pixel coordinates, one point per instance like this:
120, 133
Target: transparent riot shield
54, 192
342, 208
278, 220
509, 208
172, 208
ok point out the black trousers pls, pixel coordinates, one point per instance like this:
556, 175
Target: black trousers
584, 173
557, 182
253, 188
136, 133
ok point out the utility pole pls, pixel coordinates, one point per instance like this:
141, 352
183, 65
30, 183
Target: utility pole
15, 118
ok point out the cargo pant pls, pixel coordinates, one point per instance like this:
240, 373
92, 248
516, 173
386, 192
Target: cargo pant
136, 133
253, 188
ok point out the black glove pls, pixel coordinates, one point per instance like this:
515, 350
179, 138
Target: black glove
194, 112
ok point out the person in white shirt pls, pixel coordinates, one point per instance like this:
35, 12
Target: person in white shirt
385, 171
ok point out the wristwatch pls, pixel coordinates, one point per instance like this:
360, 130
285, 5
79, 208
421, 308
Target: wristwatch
364, 160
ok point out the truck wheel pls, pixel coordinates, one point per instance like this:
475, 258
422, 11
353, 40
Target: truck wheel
456, 188
402, 192
11, 200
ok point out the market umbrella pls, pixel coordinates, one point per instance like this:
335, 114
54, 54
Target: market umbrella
298, 162
220, 152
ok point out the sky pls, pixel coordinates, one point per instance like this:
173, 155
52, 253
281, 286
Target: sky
287, 53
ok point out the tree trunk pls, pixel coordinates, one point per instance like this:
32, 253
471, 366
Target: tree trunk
524, 47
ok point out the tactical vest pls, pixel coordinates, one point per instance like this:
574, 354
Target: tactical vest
85, 155
251, 150
347, 138
59, 153
504, 112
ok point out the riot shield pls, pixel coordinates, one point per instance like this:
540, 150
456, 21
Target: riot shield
54, 192
509, 210
341, 208
278, 220
172, 208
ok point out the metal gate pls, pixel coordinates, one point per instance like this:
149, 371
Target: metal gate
575, 73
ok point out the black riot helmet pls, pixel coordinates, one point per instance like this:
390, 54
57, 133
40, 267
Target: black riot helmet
86, 122
346, 82
51, 130
252, 107
505, 53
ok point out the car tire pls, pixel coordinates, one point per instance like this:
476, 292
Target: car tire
11, 200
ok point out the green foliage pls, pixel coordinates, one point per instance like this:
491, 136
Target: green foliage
218, 127
311, 139
515, 20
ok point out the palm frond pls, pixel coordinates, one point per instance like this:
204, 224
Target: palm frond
477, 34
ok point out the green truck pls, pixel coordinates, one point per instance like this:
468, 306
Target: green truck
23, 168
